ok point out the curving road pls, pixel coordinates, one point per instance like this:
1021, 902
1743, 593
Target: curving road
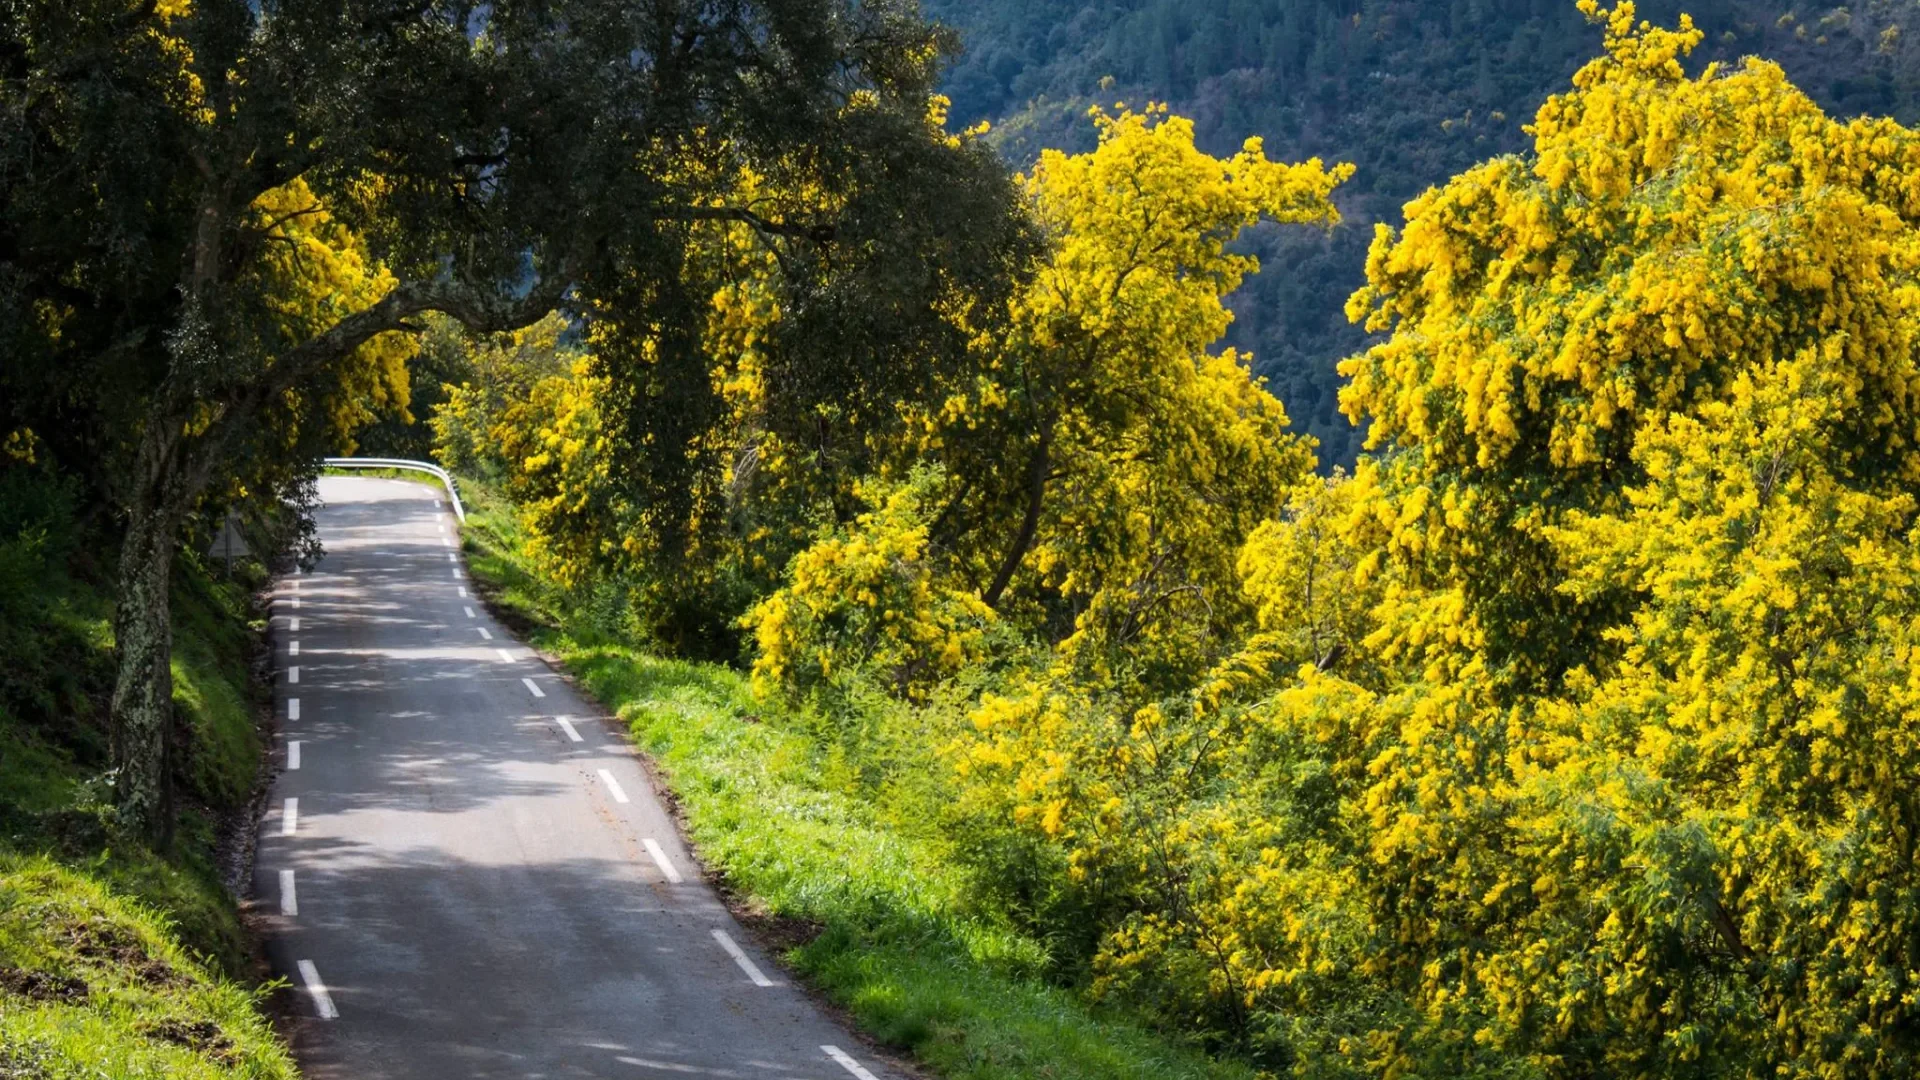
464, 873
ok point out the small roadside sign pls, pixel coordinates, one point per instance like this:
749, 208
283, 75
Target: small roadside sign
229, 545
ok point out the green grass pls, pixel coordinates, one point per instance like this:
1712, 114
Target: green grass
95, 985
878, 914
116, 961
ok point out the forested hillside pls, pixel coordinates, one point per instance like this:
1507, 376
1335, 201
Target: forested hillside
1411, 92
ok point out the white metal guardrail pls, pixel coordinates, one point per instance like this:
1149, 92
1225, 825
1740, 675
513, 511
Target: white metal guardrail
402, 463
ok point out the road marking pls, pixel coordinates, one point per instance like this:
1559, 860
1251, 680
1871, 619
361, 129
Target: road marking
676, 1067
740, 957
296, 601
322, 1001
293, 754
456, 573
443, 528
293, 708
293, 674
567, 726
452, 558
534, 690
293, 624
463, 592
289, 901
296, 584
289, 816
484, 635
505, 655
660, 860
613, 786
468, 610
293, 647
846, 1062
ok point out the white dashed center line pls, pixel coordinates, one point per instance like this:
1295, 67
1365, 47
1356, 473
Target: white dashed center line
613, 786
293, 624
846, 1062
505, 655
463, 592
452, 558
293, 647
293, 755
322, 1001
468, 610
293, 708
289, 816
534, 690
484, 635
660, 860
296, 601
289, 902
567, 726
293, 674
740, 957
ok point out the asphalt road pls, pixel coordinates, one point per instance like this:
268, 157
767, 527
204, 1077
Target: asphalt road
460, 884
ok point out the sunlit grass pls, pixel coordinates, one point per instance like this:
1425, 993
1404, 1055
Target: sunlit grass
877, 915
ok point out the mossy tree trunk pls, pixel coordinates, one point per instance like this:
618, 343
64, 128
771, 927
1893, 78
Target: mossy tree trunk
170, 472
143, 688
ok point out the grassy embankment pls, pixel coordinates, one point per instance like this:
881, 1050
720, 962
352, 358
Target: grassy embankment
878, 917
116, 962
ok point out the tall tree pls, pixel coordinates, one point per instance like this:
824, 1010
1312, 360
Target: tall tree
496, 160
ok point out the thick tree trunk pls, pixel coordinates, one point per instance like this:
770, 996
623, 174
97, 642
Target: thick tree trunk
142, 735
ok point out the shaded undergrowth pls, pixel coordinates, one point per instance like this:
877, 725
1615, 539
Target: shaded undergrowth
116, 961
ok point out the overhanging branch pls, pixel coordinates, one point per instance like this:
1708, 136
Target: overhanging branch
819, 233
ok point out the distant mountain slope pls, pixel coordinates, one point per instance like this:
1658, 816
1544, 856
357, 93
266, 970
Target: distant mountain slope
1411, 92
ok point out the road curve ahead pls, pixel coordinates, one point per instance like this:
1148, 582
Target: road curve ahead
465, 874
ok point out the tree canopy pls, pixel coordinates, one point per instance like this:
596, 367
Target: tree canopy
217, 216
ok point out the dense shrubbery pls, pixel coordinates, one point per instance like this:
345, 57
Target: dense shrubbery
1568, 735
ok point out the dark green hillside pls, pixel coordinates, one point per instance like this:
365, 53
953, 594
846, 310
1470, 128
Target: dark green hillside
1409, 92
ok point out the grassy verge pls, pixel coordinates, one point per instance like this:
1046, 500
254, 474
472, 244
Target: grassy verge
875, 916
115, 961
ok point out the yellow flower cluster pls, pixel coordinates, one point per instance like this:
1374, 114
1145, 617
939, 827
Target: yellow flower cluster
863, 600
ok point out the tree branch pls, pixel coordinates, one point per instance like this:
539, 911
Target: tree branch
818, 233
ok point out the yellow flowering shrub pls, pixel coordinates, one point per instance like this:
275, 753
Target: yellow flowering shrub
863, 598
558, 483
1106, 462
1572, 736
1667, 231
